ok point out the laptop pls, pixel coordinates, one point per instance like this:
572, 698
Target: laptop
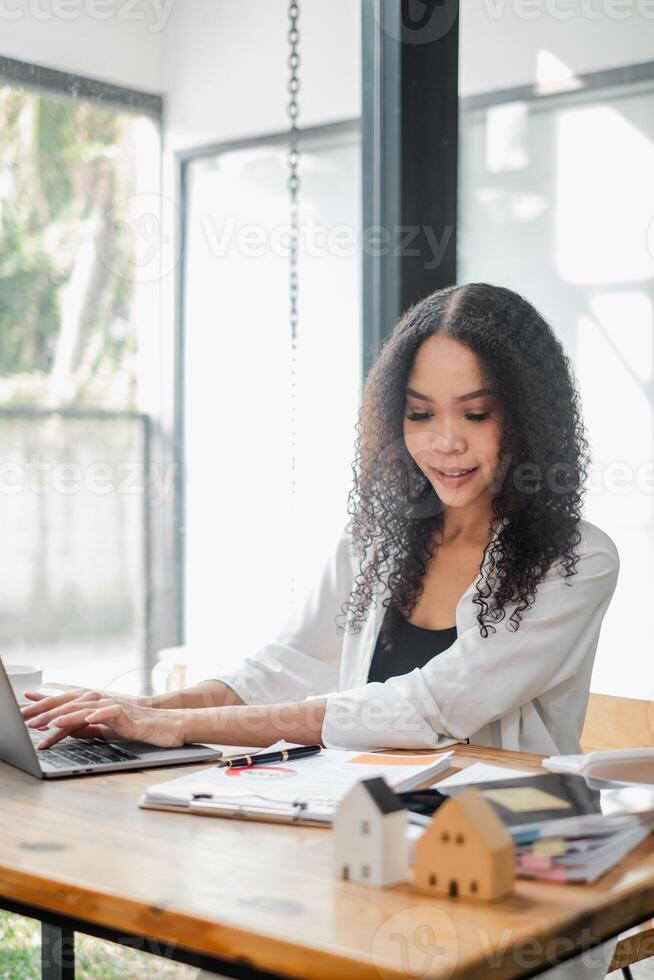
77, 756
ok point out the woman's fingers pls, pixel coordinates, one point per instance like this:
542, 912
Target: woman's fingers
53, 736
116, 717
111, 715
47, 703
102, 731
69, 724
72, 707
85, 731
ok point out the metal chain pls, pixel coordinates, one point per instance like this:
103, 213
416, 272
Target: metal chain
293, 184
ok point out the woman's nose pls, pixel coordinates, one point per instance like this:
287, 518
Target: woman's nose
447, 439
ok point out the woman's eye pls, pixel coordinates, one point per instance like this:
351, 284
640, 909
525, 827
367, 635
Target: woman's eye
471, 416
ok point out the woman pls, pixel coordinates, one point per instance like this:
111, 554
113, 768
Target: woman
464, 598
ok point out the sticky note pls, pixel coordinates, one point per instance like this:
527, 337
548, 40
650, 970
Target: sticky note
525, 799
549, 845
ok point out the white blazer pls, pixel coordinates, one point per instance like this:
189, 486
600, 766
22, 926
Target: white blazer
525, 690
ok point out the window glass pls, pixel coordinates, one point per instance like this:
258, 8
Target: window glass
76, 177
247, 536
557, 202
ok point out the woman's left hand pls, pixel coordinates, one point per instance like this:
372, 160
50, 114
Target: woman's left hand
109, 718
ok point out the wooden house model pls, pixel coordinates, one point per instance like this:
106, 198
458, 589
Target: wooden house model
370, 835
466, 850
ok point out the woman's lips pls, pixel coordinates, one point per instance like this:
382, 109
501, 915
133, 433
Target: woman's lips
455, 478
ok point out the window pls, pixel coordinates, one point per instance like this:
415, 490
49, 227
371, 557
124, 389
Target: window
245, 537
557, 199
365, 826
76, 316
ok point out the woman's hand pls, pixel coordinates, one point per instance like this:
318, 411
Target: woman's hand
46, 702
93, 714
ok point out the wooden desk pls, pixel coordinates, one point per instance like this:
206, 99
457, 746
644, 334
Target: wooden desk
253, 899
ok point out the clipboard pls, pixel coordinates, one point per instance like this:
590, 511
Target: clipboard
305, 792
296, 818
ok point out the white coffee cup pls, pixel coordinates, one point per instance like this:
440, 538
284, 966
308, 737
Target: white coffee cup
24, 677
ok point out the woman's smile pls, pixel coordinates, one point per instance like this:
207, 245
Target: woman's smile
452, 477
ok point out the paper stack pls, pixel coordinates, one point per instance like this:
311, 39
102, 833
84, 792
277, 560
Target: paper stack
582, 858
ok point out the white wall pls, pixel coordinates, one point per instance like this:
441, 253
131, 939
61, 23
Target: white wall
124, 48
519, 42
225, 67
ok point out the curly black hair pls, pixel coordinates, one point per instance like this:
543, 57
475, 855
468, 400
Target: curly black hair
393, 508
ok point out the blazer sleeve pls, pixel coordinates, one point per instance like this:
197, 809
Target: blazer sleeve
478, 680
304, 659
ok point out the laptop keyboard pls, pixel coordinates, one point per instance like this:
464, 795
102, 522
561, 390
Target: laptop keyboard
64, 755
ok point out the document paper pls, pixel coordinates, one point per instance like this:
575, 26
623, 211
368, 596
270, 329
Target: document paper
316, 784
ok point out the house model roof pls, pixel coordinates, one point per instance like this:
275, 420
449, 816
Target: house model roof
478, 813
382, 795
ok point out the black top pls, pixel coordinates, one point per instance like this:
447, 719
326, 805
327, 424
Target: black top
413, 646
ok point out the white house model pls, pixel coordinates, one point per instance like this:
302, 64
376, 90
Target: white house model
370, 835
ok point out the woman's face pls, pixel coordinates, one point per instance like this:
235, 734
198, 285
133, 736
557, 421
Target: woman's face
452, 427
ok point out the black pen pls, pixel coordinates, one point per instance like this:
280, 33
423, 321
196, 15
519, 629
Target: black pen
281, 755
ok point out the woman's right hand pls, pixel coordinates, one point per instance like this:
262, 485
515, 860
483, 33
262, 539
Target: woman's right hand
52, 705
